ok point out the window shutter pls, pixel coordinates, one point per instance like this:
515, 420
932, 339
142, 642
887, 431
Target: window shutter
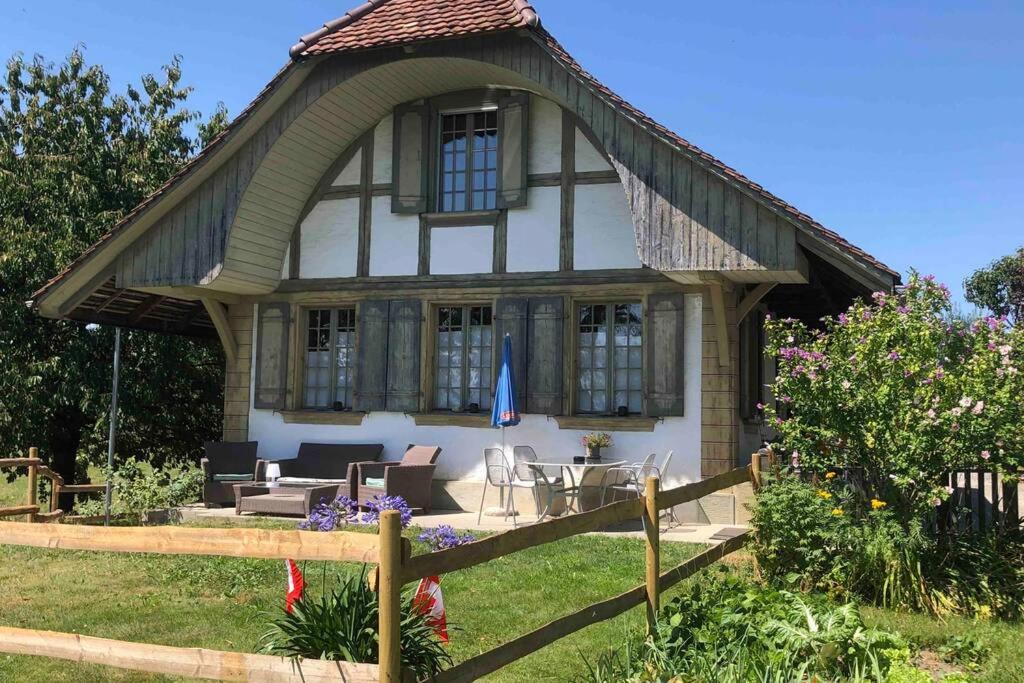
371, 355
410, 168
510, 318
665, 362
403, 351
544, 355
513, 127
271, 356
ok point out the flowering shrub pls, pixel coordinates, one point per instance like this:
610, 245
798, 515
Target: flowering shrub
444, 537
328, 516
901, 390
381, 503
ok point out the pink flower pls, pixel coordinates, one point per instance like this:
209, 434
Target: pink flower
843, 319
986, 455
846, 384
930, 414
894, 355
956, 411
760, 406
966, 402
978, 407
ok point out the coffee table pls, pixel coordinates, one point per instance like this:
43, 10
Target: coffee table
271, 499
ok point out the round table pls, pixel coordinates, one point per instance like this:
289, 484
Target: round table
584, 478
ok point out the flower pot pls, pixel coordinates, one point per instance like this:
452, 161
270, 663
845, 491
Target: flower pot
594, 452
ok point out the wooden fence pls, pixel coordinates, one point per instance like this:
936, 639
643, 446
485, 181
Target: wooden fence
981, 501
395, 567
36, 469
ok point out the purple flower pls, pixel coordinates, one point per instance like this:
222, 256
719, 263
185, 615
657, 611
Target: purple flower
903, 310
894, 355
986, 455
866, 315
843, 319
444, 537
328, 516
381, 503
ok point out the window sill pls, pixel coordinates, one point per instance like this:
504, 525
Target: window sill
474, 420
457, 219
636, 423
322, 417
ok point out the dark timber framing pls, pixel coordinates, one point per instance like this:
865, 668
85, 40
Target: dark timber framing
567, 181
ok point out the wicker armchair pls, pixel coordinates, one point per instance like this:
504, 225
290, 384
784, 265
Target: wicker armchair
227, 464
409, 478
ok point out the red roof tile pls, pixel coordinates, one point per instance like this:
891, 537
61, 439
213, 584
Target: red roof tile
379, 23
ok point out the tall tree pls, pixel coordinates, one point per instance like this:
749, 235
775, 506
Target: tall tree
75, 157
999, 287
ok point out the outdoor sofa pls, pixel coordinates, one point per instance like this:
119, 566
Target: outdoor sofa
409, 478
226, 464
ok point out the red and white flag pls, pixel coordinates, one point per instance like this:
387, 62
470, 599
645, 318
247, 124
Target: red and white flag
295, 584
429, 599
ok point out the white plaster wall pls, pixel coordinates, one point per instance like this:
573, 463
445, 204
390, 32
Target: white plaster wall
533, 232
382, 150
545, 154
588, 158
330, 239
463, 447
603, 234
394, 240
465, 249
351, 174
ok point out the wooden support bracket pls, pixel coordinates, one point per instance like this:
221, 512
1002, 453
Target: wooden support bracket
753, 298
219, 316
721, 324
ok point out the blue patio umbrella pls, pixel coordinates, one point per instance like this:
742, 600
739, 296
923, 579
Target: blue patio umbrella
505, 412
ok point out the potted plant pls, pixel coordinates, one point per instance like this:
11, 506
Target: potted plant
594, 442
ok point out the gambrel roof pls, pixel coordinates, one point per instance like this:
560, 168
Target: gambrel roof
425, 28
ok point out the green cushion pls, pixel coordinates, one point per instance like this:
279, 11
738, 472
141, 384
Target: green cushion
232, 477
375, 482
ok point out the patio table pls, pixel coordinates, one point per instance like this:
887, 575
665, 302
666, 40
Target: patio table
588, 475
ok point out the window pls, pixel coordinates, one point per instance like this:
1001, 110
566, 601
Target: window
609, 359
330, 340
469, 161
463, 363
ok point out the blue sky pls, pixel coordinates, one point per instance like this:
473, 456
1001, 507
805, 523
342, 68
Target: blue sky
898, 124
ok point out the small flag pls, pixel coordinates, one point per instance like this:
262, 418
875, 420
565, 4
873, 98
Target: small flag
429, 600
295, 584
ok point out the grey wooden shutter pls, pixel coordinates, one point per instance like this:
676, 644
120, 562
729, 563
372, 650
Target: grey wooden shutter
513, 133
544, 355
271, 356
510, 318
410, 171
665, 363
371, 355
403, 376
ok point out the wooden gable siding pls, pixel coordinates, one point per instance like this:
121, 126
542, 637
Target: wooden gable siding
233, 232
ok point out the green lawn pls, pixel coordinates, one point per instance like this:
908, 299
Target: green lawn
220, 603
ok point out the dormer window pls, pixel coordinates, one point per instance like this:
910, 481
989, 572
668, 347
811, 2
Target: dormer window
468, 161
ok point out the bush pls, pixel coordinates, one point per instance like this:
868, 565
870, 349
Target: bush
342, 626
138, 490
730, 630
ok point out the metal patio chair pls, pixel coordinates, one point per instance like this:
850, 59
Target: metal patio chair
499, 475
629, 479
529, 476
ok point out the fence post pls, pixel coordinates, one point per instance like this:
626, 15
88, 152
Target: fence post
389, 588
755, 470
33, 486
651, 517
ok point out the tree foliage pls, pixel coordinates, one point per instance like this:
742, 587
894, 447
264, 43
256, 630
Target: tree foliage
75, 157
999, 287
898, 389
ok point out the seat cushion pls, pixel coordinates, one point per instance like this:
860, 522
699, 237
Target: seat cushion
308, 480
233, 477
376, 482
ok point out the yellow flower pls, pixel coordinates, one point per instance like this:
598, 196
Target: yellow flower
984, 612
837, 512
825, 494
830, 475
877, 504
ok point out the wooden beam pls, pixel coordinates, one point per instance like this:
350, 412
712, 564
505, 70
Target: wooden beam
20, 462
219, 316
684, 494
721, 324
143, 309
191, 315
187, 662
340, 546
752, 299
706, 558
19, 510
109, 300
76, 299
499, 545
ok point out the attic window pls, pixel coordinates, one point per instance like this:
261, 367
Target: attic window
468, 161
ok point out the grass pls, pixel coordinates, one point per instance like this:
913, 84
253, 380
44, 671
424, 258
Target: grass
220, 603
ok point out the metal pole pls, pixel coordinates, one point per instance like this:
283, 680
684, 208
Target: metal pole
112, 439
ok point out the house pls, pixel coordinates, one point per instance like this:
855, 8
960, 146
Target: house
426, 176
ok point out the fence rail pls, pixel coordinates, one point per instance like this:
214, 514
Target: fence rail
395, 567
37, 469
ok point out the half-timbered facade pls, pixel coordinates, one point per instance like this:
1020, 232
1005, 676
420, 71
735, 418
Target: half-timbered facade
426, 176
